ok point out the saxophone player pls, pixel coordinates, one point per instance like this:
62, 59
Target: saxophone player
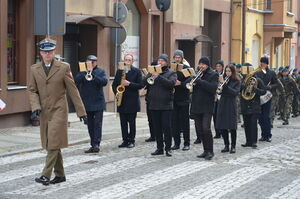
130, 78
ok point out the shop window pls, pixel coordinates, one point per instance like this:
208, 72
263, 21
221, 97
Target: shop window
12, 43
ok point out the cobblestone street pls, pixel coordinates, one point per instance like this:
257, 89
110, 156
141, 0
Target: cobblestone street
270, 171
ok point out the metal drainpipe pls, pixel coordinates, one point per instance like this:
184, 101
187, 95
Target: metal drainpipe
243, 29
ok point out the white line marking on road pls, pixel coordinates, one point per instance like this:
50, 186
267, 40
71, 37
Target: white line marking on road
142, 183
85, 176
31, 170
292, 191
221, 186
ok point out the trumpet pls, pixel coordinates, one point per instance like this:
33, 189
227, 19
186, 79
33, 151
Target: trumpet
152, 69
89, 76
151, 79
220, 87
191, 83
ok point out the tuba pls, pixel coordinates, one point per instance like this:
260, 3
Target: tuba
251, 83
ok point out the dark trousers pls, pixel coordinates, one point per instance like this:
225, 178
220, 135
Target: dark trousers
218, 131
250, 126
125, 119
150, 121
181, 122
54, 160
265, 120
225, 135
202, 125
95, 119
162, 128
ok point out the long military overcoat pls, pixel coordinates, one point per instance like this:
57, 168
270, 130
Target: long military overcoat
48, 93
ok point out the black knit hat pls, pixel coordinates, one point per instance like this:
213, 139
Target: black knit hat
264, 60
221, 63
204, 60
164, 57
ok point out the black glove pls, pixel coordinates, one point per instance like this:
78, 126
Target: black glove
37, 112
84, 119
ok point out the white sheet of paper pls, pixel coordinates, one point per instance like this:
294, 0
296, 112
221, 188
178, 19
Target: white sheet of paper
2, 105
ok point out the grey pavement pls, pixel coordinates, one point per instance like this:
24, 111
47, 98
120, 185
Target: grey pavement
268, 172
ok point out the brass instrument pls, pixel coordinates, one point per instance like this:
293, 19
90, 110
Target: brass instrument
89, 76
220, 87
152, 69
120, 89
191, 83
251, 83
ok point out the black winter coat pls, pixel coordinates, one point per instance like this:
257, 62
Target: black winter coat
131, 98
253, 106
269, 78
91, 92
227, 106
204, 91
160, 95
182, 94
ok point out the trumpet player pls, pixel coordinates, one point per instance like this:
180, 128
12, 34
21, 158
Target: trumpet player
160, 102
180, 117
229, 89
202, 106
130, 104
91, 91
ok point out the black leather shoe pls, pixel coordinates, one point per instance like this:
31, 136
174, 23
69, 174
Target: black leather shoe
285, 122
226, 149
262, 139
123, 145
96, 149
209, 156
186, 148
254, 146
92, 150
202, 155
232, 150
150, 139
269, 140
131, 145
246, 145
197, 141
58, 180
217, 136
158, 152
43, 180
175, 147
168, 153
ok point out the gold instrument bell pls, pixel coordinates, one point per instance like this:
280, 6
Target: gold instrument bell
121, 89
251, 83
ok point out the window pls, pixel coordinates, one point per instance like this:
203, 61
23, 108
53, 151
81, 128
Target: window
289, 5
268, 5
254, 4
11, 43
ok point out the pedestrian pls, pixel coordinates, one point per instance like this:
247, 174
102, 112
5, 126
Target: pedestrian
202, 105
91, 91
49, 82
227, 107
160, 99
129, 78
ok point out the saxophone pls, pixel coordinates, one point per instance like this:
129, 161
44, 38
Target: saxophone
120, 89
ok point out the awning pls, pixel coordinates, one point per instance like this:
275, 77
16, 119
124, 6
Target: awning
196, 38
103, 21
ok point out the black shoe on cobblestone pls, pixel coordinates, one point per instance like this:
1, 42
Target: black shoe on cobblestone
285, 122
150, 139
175, 147
57, 179
186, 148
197, 141
92, 150
123, 145
269, 140
246, 145
131, 145
262, 139
202, 155
232, 150
217, 136
168, 153
158, 152
226, 149
254, 146
209, 156
43, 180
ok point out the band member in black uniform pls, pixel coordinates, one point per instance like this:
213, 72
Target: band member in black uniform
91, 91
250, 107
130, 103
202, 106
160, 99
270, 81
219, 67
229, 87
181, 121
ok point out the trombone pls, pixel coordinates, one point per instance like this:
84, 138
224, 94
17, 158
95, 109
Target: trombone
191, 83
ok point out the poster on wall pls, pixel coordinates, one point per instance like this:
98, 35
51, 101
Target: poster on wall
131, 46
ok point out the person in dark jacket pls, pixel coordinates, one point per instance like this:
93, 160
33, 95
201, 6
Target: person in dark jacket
93, 98
219, 67
180, 117
250, 111
160, 99
202, 106
227, 107
270, 81
130, 103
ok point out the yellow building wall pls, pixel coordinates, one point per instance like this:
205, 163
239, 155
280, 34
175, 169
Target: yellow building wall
91, 7
236, 34
190, 12
254, 28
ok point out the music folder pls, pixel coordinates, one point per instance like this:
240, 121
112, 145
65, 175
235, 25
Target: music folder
176, 66
82, 66
188, 72
152, 69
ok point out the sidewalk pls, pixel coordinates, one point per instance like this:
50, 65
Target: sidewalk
27, 139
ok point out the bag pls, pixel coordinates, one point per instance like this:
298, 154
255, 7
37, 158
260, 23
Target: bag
266, 97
